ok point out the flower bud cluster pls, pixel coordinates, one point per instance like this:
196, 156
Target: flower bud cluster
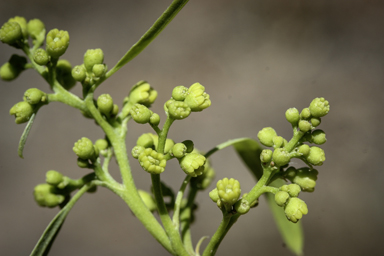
226, 193
142, 115
86, 151
294, 207
141, 93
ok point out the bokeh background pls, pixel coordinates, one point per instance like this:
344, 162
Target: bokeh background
256, 58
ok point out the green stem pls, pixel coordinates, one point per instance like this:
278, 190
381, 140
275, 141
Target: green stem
297, 135
218, 236
179, 198
258, 189
185, 218
69, 99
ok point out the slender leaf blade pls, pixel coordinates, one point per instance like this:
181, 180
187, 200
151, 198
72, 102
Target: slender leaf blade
24, 136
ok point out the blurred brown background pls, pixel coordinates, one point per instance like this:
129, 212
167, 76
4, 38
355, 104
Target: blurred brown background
256, 58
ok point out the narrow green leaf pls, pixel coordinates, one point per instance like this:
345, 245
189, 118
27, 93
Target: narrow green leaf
292, 233
24, 136
48, 237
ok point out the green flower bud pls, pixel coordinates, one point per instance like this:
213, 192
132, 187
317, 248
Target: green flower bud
35, 28
178, 110
266, 156
242, 206
99, 70
10, 33
64, 74
146, 140
22, 112
83, 163
179, 93
315, 121
189, 144
266, 136
229, 191
13, 67
304, 149
292, 189
84, 148
44, 196
278, 142
281, 157
179, 150
197, 99
295, 209
193, 164
105, 104
140, 113
79, 73
316, 156
115, 110
148, 200
152, 161
281, 198
101, 144
41, 57
318, 137
23, 24
142, 93
155, 119
136, 151
303, 177
203, 181
214, 195
319, 107
292, 115
93, 57
304, 126
305, 113
57, 42
34, 96
54, 178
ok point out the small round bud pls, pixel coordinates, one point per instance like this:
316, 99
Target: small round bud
145, 140
179, 150
64, 74
203, 181
242, 206
304, 149
22, 112
304, 126
101, 144
12, 69
189, 144
281, 157
316, 156
84, 148
35, 28
152, 161
105, 104
142, 93
179, 93
178, 110
292, 115
41, 57
140, 113
315, 121
319, 107
294, 190
79, 73
281, 198
305, 178
148, 200
295, 209
34, 96
318, 137
136, 151
92, 57
197, 99
54, 178
10, 32
57, 42
214, 195
229, 191
44, 196
23, 24
278, 142
305, 113
115, 110
155, 119
193, 164
266, 136
266, 156
99, 70
83, 163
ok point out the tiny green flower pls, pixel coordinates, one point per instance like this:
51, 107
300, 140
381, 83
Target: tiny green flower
281, 198
292, 115
105, 104
319, 107
79, 73
93, 57
178, 110
57, 42
34, 96
203, 181
292, 189
305, 113
242, 206
136, 151
304, 126
35, 28
41, 57
189, 144
23, 24
197, 99
155, 119
142, 93
115, 110
101, 144
304, 150
44, 196
146, 140
318, 137
295, 209
54, 178
193, 164
281, 157
12, 69
316, 156
10, 33
278, 141
315, 121
229, 191
84, 149
148, 200
214, 195
140, 113
179, 150
152, 161
266, 156
64, 74
22, 112
304, 177
266, 136
99, 70
179, 93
